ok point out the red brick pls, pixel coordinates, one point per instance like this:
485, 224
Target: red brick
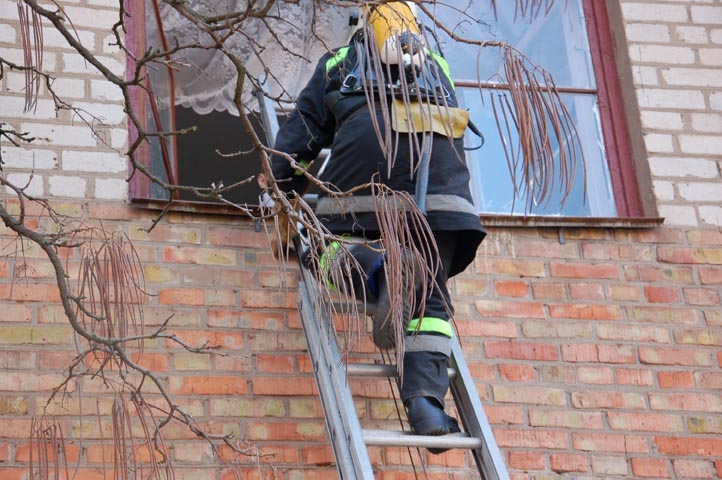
617, 353
466, 285
693, 468
198, 255
675, 274
586, 311
208, 385
692, 401
567, 419
287, 430
705, 237
182, 296
676, 380
275, 363
624, 292
689, 446
599, 271
531, 247
660, 314
451, 459
512, 267
689, 255
645, 422
588, 352
510, 309
505, 414
284, 386
568, 462
661, 294
526, 438
267, 299
586, 291
595, 375
486, 329
511, 288
525, 460
676, 356
614, 443
650, 467
25, 292
10, 473
237, 237
517, 373
606, 399
209, 339
318, 455
246, 319
698, 336
709, 380
155, 362
710, 275
635, 377
549, 291
521, 350
701, 296
600, 251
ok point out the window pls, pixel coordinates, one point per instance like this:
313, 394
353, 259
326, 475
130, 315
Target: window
567, 41
572, 41
193, 89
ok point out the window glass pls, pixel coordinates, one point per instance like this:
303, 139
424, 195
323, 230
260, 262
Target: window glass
557, 41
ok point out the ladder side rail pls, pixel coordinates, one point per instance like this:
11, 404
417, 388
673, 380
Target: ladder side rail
268, 115
342, 423
488, 458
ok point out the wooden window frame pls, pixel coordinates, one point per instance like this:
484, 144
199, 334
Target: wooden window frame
627, 170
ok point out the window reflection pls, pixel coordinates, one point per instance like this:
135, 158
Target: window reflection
556, 41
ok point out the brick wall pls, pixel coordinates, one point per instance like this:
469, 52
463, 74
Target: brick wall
596, 350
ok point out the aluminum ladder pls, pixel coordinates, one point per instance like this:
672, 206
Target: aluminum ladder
348, 439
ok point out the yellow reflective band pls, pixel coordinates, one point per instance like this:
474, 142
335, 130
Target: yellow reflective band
430, 325
305, 164
444, 67
336, 59
328, 256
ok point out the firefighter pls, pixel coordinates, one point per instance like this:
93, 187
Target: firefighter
345, 106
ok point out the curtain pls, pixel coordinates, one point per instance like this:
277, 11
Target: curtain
281, 49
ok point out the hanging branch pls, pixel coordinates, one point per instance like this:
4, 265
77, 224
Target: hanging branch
31, 34
548, 154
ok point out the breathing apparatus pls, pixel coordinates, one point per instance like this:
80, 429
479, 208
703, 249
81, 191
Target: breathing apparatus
391, 32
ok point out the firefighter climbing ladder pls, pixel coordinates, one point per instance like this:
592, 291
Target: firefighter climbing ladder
348, 439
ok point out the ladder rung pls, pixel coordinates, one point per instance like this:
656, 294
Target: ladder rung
383, 438
378, 370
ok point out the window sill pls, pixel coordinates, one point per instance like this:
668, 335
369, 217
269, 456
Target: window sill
187, 206
490, 220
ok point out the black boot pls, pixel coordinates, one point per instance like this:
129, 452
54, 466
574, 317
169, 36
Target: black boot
427, 417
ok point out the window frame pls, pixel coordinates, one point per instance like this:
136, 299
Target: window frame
621, 132
615, 128
625, 170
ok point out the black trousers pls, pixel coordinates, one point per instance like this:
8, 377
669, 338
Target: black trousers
426, 353
425, 372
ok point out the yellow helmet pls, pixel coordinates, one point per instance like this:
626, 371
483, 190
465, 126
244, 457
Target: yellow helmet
396, 31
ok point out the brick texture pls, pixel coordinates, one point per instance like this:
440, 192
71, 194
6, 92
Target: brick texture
595, 357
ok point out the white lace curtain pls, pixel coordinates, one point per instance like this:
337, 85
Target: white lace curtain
283, 49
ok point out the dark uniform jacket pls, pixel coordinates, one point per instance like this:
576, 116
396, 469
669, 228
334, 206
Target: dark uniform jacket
324, 117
